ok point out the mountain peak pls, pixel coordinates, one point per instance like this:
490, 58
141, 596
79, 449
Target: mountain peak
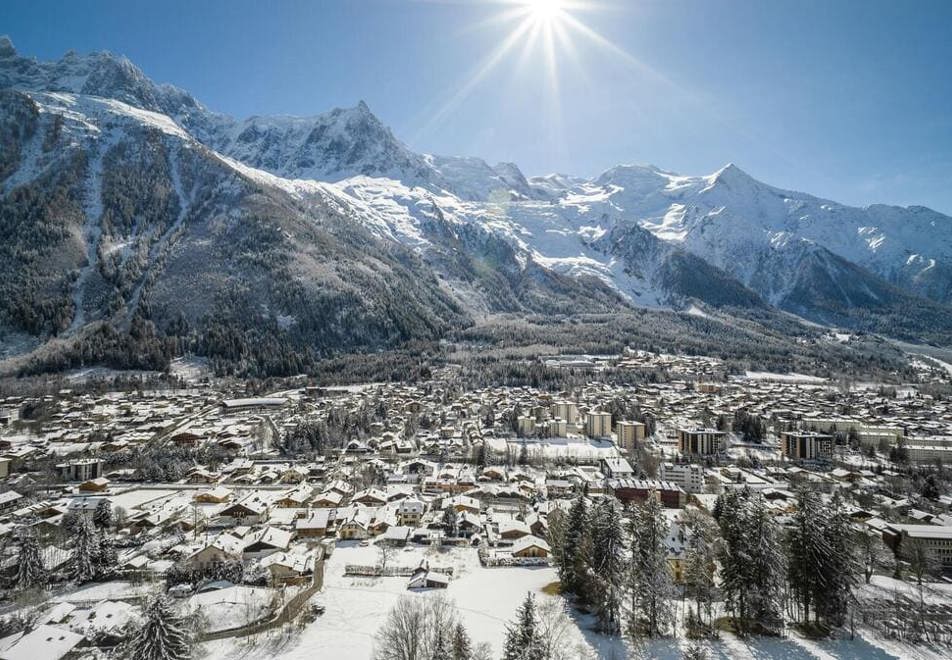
731, 172
6, 47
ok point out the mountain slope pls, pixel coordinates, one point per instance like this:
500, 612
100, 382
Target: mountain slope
142, 224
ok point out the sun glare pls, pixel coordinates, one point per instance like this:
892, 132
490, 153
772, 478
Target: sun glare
545, 11
543, 37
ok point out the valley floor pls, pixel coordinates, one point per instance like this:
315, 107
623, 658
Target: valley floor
486, 599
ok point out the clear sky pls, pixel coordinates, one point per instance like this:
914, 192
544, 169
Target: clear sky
850, 100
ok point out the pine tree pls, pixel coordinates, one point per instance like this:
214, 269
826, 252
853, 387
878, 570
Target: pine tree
106, 559
30, 570
807, 551
768, 563
699, 566
822, 567
522, 635
753, 564
572, 571
481, 455
649, 575
164, 635
102, 516
607, 565
841, 570
462, 645
523, 454
84, 552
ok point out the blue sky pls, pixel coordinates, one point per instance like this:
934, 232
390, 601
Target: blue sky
850, 100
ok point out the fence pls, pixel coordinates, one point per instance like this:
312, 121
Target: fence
287, 613
356, 570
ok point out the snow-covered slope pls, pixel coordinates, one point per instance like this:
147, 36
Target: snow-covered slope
645, 235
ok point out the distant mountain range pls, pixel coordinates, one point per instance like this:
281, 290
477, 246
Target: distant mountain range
129, 207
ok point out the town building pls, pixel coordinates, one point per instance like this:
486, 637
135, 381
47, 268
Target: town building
701, 442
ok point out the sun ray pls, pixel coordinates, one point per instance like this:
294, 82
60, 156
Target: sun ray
547, 31
485, 68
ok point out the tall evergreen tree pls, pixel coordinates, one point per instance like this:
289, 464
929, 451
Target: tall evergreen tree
462, 645
522, 635
822, 566
102, 516
84, 551
752, 559
607, 565
699, 565
106, 559
649, 575
30, 570
163, 636
573, 569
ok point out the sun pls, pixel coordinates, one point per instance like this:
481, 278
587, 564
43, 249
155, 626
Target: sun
545, 11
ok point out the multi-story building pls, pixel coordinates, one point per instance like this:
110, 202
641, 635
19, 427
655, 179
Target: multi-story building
80, 470
701, 442
929, 450
670, 495
566, 410
937, 540
526, 425
558, 428
598, 424
689, 476
806, 446
630, 435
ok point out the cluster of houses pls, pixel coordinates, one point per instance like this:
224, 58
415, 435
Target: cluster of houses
435, 465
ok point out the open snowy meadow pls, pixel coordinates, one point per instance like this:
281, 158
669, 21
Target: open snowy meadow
487, 599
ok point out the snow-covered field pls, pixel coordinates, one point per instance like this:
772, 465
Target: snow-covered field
784, 378
356, 607
486, 599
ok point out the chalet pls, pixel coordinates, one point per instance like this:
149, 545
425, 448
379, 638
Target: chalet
424, 578
97, 485
266, 542
202, 476
463, 503
410, 512
45, 642
9, 500
530, 546
250, 510
291, 567
468, 524
370, 497
226, 547
217, 495
356, 526
295, 499
511, 529
330, 499
314, 524
617, 468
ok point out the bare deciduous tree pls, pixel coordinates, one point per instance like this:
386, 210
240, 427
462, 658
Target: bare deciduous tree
413, 628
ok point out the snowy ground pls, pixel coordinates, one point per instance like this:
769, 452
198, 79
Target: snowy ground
232, 607
784, 378
357, 607
487, 599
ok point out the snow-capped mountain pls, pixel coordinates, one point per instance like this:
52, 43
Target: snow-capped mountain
135, 190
